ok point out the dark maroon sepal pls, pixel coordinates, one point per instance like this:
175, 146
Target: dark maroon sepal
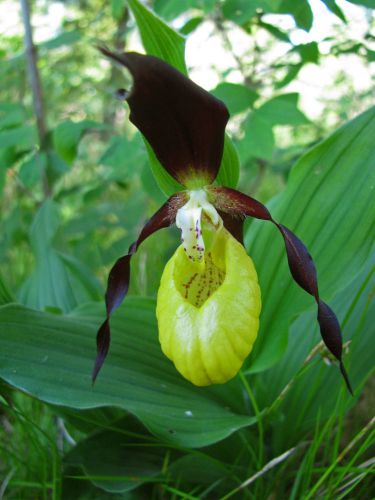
300, 262
119, 276
234, 225
183, 123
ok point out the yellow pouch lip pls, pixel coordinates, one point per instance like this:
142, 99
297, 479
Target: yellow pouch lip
200, 340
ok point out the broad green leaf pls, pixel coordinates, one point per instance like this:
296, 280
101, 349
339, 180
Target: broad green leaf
239, 11
124, 157
158, 38
67, 135
335, 9
5, 295
237, 97
31, 169
11, 114
258, 141
229, 171
301, 11
164, 180
51, 357
56, 282
309, 52
125, 460
282, 110
24, 137
328, 204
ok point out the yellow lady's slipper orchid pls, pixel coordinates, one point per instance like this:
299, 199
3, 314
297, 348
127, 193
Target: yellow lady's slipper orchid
209, 300
208, 306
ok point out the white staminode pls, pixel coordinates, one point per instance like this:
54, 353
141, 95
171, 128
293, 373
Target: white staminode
189, 220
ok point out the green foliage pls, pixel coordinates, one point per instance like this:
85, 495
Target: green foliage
319, 192
158, 38
67, 135
285, 427
137, 377
237, 97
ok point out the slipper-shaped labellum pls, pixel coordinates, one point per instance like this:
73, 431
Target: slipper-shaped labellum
209, 299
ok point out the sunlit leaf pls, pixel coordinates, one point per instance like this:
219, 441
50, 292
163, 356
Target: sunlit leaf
236, 97
158, 38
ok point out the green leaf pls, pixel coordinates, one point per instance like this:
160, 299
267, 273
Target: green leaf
118, 9
291, 74
55, 282
158, 38
191, 25
370, 55
237, 97
258, 141
239, 11
164, 180
301, 11
67, 135
170, 9
31, 169
229, 171
65, 38
282, 110
335, 9
275, 31
309, 52
5, 295
51, 357
124, 462
327, 203
124, 157
24, 137
315, 393
366, 3
11, 114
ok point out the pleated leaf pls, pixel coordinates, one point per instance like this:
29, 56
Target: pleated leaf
328, 203
51, 358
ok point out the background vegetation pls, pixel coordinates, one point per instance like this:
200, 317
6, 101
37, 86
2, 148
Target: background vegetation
75, 191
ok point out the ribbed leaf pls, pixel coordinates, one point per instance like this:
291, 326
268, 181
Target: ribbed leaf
51, 358
328, 204
158, 38
316, 393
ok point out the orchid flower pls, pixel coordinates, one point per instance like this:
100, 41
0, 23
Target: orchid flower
209, 301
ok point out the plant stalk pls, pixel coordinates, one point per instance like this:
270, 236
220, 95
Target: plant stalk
36, 88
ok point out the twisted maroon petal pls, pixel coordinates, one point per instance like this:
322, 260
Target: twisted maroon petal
300, 263
119, 276
183, 123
